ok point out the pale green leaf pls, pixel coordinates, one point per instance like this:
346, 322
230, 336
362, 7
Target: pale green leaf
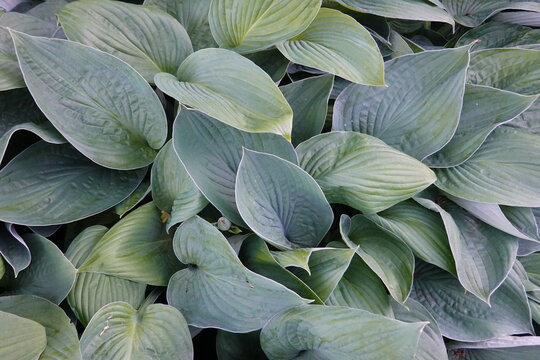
526, 18
472, 13
298, 258
280, 202
253, 104
137, 248
338, 44
338, 333
361, 171
503, 348
401, 114
496, 34
216, 290
211, 152
54, 184
245, 26
133, 33
20, 338
134, 199
531, 264
173, 191
96, 101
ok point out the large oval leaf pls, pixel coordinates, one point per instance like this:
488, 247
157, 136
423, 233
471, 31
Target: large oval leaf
472, 13
62, 339
54, 184
211, 152
338, 44
508, 177
253, 104
119, 332
173, 191
496, 34
280, 202
137, 248
96, 101
20, 338
338, 333
401, 114
245, 26
216, 290
361, 171
133, 33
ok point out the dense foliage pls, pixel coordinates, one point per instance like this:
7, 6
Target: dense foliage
269, 179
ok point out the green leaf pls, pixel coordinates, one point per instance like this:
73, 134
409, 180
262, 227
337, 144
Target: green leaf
309, 100
96, 101
173, 190
119, 332
526, 18
193, 15
280, 202
361, 288
211, 152
484, 109
92, 291
496, 34
246, 26
338, 44
47, 10
386, 255
216, 290
2, 268
431, 344
13, 248
18, 111
231, 346
134, 199
10, 74
421, 229
508, 177
461, 316
361, 171
20, 338
254, 104
49, 275
298, 258
137, 248
531, 264
272, 62
62, 339
132, 33
503, 348
472, 13
401, 115
54, 184
338, 333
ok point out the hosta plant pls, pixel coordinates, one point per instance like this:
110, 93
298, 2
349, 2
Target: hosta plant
269, 179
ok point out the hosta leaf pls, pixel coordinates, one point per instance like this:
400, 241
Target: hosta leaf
54, 184
361, 288
496, 34
298, 258
137, 248
132, 33
13, 248
47, 10
173, 190
62, 339
19, 112
472, 13
531, 264
332, 333
386, 255
527, 18
193, 15
231, 346
272, 62
134, 199
245, 26
211, 152
309, 100
256, 257
336, 43
400, 9
504, 348
508, 177
10, 74
399, 114
253, 104
20, 338
92, 291
484, 108
119, 332
421, 229
461, 316
361, 171
280, 202
216, 290
49, 275
2, 268
96, 101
